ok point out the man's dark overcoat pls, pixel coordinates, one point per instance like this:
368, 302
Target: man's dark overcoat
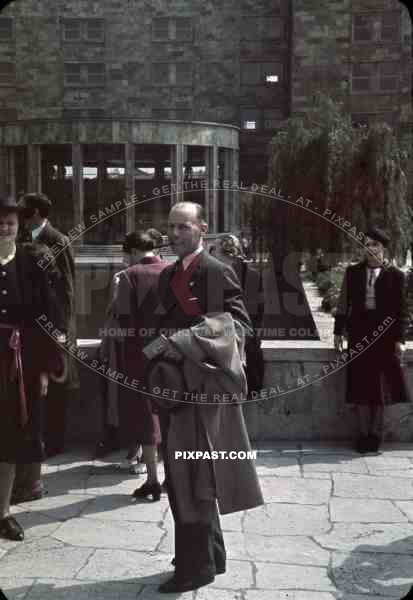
374, 372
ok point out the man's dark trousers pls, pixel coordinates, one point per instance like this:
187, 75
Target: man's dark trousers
199, 547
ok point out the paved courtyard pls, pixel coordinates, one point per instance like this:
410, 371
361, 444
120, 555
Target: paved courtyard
335, 525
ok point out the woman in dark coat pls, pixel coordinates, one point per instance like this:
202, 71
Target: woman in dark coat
135, 306
372, 313
28, 354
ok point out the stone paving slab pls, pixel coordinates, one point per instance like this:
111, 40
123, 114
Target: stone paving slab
278, 549
364, 486
334, 464
120, 507
359, 511
103, 534
53, 589
368, 537
288, 519
280, 466
287, 595
57, 508
116, 565
281, 577
295, 491
50, 559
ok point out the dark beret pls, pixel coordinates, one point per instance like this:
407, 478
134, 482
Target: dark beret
378, 235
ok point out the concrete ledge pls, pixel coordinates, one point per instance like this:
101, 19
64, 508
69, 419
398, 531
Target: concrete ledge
302, 399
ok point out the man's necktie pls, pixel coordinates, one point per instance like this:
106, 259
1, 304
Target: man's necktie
371, 278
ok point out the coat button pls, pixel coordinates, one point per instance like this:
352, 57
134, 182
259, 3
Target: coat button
3, 273
4, 292
3, 311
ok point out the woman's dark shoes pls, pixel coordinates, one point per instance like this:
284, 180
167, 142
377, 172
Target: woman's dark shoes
10, 529
373, 443
220, 569
148, 489
178, 586
362, 445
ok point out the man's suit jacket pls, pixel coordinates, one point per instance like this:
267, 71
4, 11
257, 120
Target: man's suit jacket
212, 287
64, 261
65, 290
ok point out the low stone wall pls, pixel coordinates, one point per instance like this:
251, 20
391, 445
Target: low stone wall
303, 398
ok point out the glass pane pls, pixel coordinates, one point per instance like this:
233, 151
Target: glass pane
183, 29
361, 84
94, 29
160, 28
389, 83
364, 69
183, 73
71, 29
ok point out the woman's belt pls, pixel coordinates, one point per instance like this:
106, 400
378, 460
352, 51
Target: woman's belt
16, 370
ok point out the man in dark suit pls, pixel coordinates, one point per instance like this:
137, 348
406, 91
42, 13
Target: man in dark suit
198, 284
372, 312
35, 209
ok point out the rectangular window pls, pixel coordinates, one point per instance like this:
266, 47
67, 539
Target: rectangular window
363, 29
72, 74
94, 30
389, 77
84, 74
390, 27
261, 28
250, 119
161, 73
6, 29
183, 114
160, 113
183, 29
7, 74
72, 30
183, 74
363, 76
272, 118
160, 29
95, 74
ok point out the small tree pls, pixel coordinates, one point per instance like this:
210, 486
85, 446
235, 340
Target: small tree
358, 173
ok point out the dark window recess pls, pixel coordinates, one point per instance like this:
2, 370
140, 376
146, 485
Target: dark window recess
6, 29
160, 73
363, 75
390, 27
272, 118
261, 28
116, 74
72, 74
389, 77
95, 74
363, 30
250, 119
183, 29
183, 114
8, 114
72, 30
79, 113
92, 74
7, 74
183, 74
94, 30
160, 113
160, 29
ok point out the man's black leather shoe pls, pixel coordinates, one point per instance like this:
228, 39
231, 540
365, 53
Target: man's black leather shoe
220, 570
178, 586
10, 529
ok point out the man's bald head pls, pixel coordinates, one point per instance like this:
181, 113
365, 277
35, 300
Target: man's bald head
186, 227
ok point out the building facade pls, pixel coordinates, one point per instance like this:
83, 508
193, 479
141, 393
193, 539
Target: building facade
169, 99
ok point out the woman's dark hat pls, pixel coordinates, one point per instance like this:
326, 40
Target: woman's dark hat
8, 204
378, 235
34, 200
